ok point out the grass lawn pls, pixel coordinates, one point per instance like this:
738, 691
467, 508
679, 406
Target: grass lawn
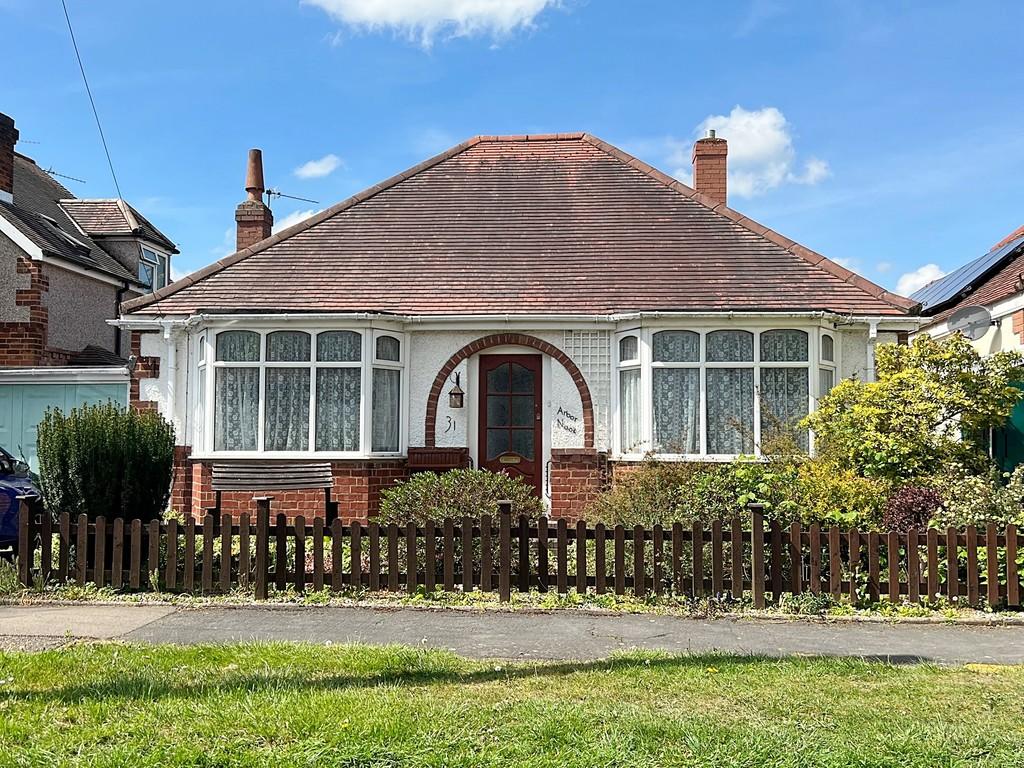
288, 705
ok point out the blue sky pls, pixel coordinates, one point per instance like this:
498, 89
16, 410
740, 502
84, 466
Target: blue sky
886, 135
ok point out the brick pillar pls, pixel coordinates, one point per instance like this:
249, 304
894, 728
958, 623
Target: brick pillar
181, 481
575, 480
145, 368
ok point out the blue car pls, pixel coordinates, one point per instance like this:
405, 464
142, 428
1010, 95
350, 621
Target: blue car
15, 481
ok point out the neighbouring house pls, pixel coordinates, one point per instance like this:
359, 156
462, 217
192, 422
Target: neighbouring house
547, 306
66, 265
985, 299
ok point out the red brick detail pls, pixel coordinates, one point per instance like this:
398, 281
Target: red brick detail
181, 481
255, 222
576, 480
23, 344
146, 367
357, 487
1018, 324
709, 168
500, 340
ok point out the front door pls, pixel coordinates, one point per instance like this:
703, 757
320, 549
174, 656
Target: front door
510, 416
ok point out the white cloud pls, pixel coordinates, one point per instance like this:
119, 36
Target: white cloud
294, 218
317, 169
883, 266
918, 279
761, 153
424, 20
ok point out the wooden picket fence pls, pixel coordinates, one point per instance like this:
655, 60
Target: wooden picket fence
764, 561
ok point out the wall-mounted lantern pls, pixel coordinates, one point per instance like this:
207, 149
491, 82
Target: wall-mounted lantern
456, 396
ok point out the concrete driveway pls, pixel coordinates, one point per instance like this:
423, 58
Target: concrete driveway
565, 635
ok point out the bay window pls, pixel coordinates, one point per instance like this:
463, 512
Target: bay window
299, 391
716, 392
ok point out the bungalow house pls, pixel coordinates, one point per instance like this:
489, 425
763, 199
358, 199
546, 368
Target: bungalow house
985, 300
547, 306
66, 264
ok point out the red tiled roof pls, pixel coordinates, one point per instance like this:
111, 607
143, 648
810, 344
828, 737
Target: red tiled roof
554, 224
113, 217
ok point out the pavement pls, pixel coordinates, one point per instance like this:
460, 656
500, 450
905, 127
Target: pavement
560, 635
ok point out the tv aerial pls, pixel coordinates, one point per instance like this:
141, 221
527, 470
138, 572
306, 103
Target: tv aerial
972, 322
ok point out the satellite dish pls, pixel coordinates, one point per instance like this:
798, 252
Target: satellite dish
972, 322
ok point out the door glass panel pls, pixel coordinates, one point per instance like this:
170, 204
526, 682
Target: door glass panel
497, 411
497, 443
497, 379
522, 442
522, 411
522, 378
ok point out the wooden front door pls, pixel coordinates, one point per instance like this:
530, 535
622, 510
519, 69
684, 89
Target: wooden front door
510, 416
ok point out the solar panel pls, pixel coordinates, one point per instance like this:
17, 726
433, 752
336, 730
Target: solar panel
952, 285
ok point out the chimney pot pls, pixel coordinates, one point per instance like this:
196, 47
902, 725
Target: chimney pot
8, 138
253, 219
254, 175
710, 166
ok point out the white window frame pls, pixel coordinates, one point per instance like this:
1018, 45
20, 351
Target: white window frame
159, 256
368, 336
813, 364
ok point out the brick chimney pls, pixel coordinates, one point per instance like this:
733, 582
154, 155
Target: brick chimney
709, 166
8, 138
253, 218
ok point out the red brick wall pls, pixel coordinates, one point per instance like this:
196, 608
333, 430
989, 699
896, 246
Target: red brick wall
357, 487
145, 368
24, 344
577, 477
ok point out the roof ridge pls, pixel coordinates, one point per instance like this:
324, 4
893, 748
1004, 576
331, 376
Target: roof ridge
812, 257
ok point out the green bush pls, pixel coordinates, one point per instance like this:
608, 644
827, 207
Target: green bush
455, 494
790, 488
105, 460
973, 498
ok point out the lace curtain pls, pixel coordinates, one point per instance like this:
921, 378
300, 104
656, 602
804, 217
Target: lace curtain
286, 410
784, 394
337, 409
730, 347
784, 346
238, 346
730, 410
386, 399
676, 408
339, 347
237, 408
288, 347
676, 347
629, 410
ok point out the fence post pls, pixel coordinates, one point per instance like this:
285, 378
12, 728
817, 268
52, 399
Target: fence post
757, 553
262, 545
504, 550
26, 542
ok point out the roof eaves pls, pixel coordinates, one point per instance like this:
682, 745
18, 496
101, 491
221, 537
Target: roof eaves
295, 229
813, 257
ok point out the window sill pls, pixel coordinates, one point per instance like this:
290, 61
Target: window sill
718, 458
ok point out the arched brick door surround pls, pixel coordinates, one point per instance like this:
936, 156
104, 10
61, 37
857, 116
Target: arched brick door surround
500, 340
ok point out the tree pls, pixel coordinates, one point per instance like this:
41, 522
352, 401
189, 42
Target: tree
929, 399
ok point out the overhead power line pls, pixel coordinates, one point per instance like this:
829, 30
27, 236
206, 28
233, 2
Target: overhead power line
92, 101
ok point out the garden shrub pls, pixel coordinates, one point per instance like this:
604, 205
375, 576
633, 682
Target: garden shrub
911, 506
455, 494
978, 498
831, 494
930, 397
105, 460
